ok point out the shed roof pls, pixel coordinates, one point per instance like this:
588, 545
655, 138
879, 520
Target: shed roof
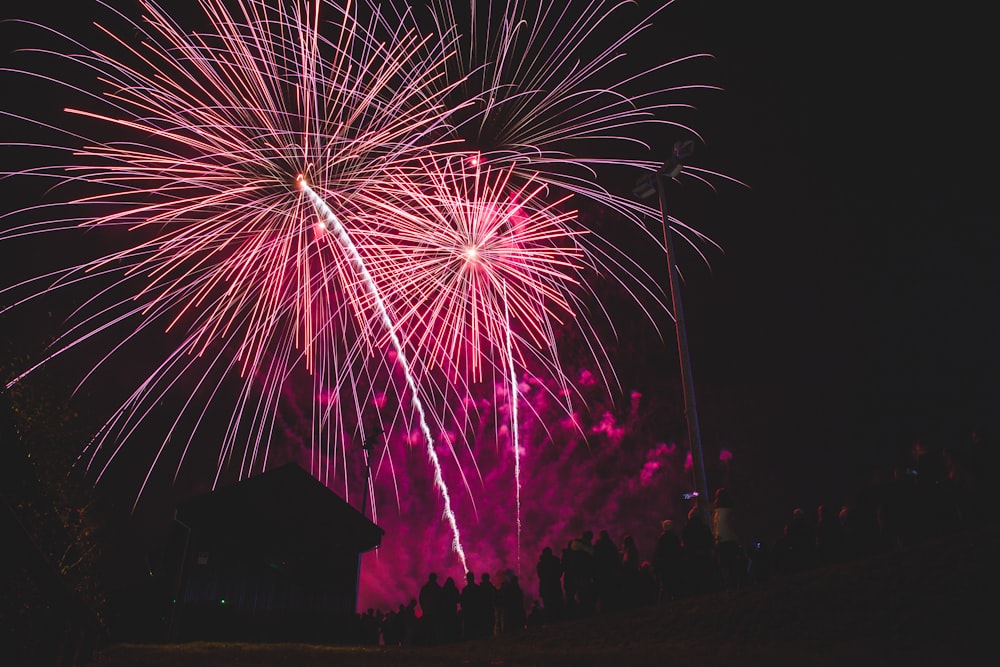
283, 507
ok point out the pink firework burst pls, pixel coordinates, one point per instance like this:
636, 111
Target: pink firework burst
196, 144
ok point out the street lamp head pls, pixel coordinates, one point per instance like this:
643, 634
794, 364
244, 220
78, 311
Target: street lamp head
645, 185
370, 441
683, 150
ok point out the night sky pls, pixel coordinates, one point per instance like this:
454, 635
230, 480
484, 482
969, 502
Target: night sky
852, 309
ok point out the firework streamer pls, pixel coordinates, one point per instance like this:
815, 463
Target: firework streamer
514, 427
330, 218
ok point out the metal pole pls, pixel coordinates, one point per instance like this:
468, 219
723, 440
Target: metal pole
671, 169
367, 445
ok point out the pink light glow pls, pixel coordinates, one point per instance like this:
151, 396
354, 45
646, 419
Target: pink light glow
569, 484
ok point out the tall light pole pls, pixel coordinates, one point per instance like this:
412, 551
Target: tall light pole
367, 445
671, 168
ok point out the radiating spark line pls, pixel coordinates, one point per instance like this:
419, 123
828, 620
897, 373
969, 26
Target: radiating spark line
515, 429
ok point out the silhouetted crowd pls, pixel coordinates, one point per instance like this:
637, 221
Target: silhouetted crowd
935, 493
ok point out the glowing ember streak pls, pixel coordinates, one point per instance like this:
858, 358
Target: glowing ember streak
515, 431
344, 239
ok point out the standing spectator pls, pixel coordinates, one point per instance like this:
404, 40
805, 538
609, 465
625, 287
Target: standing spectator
578, 575
727, 546
511, 616
647, 592
488, 604
570, 580
471, 601
392, 626
607, 573
410, 623
984, 460
585, 560
549, 570
829, 537
667, 562
759, 563
448, 624
430, 605
536, 616
959, 486
697, 547
630, 571
370, 623
796, 550
899, 517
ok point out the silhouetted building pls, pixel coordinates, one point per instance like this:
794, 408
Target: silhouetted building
272, 558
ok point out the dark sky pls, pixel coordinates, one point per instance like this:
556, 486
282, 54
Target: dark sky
853, 308
858, 273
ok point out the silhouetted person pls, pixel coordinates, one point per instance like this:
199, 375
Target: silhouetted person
448, 625
500, 581
984, 461
667, 564
727, 546
698, 544
471, 601
795, 551
935, 509
410, 623
926, 462
430, 607
862, 525
647, 593
536, 615
829, 537
899, 516
630, 571
393, 626
549, 570
511, 617
578, 575
760, 563
607, 573
959, 486
585, 562
570, 576
489, 594
370, 627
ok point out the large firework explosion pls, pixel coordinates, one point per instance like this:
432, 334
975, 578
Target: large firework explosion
366, 200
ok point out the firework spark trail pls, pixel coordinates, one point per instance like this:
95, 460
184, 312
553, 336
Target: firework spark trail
515, 428
344, 239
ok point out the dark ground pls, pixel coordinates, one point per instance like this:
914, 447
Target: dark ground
928, 604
